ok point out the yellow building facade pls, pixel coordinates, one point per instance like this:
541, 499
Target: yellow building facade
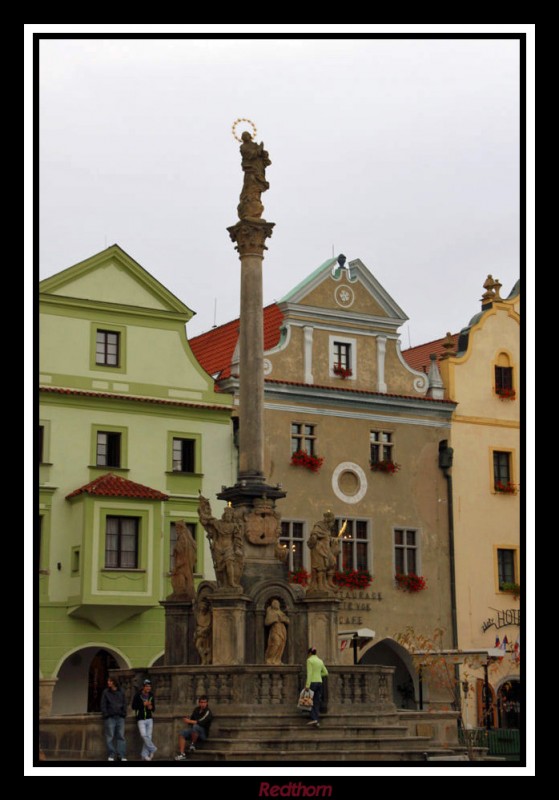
483, 379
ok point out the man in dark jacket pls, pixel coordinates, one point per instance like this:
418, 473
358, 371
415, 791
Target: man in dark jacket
113, 709
199, 722
144, 706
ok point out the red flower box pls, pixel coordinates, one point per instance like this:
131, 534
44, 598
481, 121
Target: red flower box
389, 467
505, 394
410, 582
302, 459
506, 488
353, 578
300, 576
342, 372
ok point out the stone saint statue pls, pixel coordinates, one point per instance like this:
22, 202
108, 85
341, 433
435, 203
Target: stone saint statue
182, 577
324, 547
277, 621
203, 632
226, 544
254, 160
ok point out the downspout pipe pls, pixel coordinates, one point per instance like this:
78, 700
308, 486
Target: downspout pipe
446, 454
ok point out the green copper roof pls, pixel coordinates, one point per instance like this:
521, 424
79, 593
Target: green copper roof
327, 265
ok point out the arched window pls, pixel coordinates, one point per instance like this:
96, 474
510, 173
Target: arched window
504, 377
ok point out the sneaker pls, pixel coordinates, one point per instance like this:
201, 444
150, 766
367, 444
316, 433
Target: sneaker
192, 748
111, 758
181, 757
124, 759
313, 722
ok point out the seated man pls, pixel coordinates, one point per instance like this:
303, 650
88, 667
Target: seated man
199, 722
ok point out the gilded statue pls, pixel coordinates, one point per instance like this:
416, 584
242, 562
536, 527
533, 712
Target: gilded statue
182, 576
226, 544
276, 620
254, 160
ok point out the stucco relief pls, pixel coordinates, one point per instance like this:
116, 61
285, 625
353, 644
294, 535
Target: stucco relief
346, 477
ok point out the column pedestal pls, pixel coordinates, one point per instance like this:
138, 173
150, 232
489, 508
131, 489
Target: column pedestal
229, 611
180, 624
323, 625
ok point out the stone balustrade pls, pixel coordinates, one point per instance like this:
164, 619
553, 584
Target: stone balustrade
259, 686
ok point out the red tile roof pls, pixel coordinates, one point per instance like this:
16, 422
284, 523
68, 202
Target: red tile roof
356, 391
418, 357
214, 349
110, 485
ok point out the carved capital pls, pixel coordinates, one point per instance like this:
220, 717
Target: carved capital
249, 236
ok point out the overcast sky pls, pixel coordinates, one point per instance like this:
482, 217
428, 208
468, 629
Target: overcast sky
403, 153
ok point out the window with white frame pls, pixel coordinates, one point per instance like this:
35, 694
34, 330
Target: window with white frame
292, 538
342, 357
381, 446
354, 550
406, 551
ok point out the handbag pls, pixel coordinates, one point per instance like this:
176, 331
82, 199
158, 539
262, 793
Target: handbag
305, 700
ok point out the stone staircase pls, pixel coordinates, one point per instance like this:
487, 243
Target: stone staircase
339, 738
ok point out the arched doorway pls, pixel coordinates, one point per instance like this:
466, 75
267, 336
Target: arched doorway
508, 704
389, 653
82, 676
99, 668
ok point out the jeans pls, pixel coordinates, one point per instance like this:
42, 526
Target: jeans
316, 700
114, 729
145, 726
187, 732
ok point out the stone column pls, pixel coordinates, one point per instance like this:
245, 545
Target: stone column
229, 627
249, 237
323, 626
179, 633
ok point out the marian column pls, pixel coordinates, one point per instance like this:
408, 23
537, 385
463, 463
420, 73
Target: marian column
252, 497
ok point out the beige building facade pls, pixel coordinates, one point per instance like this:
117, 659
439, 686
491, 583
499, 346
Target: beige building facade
337, 388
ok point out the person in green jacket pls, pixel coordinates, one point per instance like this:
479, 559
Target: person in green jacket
315, 672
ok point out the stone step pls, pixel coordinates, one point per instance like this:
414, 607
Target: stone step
290, 729
312, 740
330, 754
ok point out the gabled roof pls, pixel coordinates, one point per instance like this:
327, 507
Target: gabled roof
111, 485
355, 272
118, 279
214, 349
418, 357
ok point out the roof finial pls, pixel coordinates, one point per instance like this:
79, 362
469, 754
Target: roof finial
448, 345
489, 295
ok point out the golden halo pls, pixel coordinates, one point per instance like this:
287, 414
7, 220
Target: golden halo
243, 119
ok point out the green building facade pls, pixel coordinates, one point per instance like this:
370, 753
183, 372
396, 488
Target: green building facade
130, 431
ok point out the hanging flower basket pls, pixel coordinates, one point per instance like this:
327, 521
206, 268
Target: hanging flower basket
300, 576
302, 459
353, 578
506, 488
505, 394
410, 582
341, 372
389, 467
